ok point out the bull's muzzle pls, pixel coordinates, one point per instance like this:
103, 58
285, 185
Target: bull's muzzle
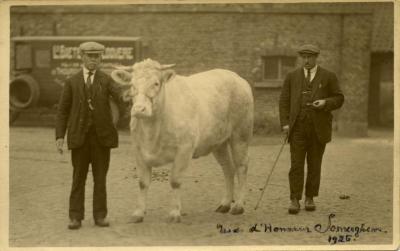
138, 110
142, 106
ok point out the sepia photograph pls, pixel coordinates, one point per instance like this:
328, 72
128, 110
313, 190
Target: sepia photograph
200, 125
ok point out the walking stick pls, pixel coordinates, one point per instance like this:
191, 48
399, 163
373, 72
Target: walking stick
269, 176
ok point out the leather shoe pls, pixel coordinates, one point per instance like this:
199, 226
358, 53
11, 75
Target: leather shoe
309, 204
74, 224
294, 207
101, 222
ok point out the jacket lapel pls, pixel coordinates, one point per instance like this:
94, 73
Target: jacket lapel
299, 84
96, 83
81, 85
316, 82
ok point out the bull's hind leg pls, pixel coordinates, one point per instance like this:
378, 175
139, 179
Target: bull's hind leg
224, 158
144, 184
181, 162
241, 159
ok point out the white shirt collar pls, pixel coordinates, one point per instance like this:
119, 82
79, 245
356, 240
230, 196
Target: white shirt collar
86, 71
312, 70
86, 74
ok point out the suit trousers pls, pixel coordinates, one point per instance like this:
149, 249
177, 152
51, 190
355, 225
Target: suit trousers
304, 144
91, 152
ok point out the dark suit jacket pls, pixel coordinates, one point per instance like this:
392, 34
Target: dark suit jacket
324, 86
72, 110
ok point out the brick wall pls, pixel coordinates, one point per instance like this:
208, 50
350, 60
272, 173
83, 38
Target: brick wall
234, 40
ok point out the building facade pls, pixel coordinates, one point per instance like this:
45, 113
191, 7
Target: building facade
258, 41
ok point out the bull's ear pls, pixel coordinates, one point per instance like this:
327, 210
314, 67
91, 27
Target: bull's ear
127, 95
121, 77
167, 75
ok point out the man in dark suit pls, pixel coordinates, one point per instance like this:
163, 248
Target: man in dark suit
308, 96
84, 110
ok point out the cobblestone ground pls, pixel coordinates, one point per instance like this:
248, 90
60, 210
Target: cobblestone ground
359, 168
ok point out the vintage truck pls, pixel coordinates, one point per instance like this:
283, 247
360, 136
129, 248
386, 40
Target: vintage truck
41, 64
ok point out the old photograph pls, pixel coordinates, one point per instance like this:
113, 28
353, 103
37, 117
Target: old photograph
226, 125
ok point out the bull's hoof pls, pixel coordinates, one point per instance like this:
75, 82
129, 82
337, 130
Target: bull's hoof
174, 217
237, 210
136, 219
223, 209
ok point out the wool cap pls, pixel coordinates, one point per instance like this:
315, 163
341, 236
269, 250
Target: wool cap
308, 49
91, 47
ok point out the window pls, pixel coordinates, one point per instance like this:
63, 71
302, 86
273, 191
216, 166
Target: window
42, 58
23, 57
276, 67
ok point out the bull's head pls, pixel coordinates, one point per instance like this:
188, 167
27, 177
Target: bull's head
145, 81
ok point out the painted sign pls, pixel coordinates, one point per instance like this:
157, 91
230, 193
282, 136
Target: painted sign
67, 60
50, 60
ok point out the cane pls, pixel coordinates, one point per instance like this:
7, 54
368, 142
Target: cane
269, 176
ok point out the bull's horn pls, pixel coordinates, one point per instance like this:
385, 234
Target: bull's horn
167, 66
122, 77
123, 67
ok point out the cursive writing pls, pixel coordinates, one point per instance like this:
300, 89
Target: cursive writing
351, 229
227, 230
269, 228
336, 234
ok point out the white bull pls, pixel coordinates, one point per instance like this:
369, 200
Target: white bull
176, 118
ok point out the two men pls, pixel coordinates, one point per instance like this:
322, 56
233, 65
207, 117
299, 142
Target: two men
308, 96
84, 111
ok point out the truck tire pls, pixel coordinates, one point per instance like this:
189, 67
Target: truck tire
24, 92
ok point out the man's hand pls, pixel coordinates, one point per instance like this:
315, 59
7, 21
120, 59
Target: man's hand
285, 129
319, 104
59, 145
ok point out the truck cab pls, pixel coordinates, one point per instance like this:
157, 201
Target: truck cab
41, 64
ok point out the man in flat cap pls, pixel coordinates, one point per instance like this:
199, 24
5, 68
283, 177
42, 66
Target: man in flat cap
84, 110
308, 96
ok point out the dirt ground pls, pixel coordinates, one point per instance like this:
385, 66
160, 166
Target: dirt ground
361, 168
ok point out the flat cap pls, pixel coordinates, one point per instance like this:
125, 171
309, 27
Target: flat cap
91, 47
308, 49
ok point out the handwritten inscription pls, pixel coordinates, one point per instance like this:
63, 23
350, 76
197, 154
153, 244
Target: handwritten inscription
342, 234
340, 239
269, 228
226, 230
356, 230
336, 233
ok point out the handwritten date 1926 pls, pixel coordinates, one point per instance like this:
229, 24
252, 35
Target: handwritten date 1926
340, 239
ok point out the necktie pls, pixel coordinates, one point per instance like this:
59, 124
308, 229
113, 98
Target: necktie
89, 90
89, 79
308, 77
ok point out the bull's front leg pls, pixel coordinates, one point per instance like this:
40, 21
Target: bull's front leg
144, 173
181, 162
